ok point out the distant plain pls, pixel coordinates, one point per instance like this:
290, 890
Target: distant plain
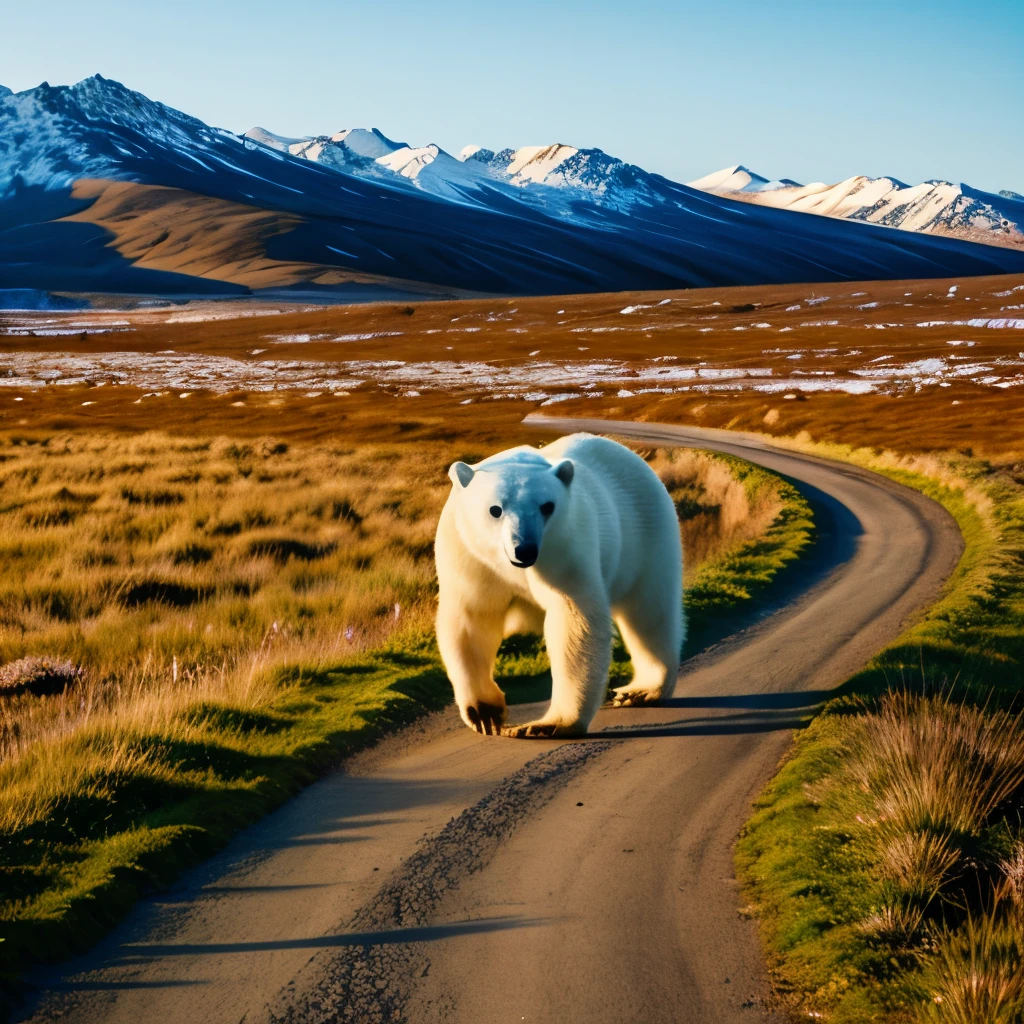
938, 361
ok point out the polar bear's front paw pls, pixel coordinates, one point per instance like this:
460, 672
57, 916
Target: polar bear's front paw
628, 698
542, 730
486, 718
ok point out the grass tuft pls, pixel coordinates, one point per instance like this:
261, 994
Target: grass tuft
38, 676
977, 974
935, 766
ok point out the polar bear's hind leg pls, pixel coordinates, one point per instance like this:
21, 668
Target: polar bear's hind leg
651, 626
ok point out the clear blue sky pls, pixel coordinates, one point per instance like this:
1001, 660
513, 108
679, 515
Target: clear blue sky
813, 91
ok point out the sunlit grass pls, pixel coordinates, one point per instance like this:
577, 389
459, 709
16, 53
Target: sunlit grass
155, 563
120, 549
977, 974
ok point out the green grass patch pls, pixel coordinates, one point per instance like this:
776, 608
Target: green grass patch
727, 585
152, 802
845, 941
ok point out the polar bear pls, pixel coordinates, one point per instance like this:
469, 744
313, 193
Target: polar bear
566, 539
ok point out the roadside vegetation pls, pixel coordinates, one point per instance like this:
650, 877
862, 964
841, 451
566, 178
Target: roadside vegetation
886, 859
193, 629
772, 523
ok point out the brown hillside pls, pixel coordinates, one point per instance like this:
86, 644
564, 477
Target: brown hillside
169, 229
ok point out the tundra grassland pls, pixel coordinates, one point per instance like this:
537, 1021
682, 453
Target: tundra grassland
883, 861
193, 628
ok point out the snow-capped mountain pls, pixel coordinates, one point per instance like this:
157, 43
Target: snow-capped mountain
935, 207
555, 176
51, 136
370, 154
550, 177
738, 179
103, 189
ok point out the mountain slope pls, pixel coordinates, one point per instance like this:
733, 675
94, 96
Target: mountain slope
199, 210
548, 177
156, 228
555, 176
934, 207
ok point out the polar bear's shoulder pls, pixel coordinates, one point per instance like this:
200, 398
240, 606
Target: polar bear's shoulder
596, 453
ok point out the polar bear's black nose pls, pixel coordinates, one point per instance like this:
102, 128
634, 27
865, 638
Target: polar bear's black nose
526, 555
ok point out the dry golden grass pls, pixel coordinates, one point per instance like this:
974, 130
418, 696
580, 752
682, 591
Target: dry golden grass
936, 766
716, 511
977, 976
100, 531
156, 562
937, 775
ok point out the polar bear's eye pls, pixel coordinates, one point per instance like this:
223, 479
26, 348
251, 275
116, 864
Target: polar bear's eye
495, 511
547, 508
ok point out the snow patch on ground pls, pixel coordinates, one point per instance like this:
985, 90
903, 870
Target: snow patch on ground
205, 315
554, 379
988, 322
57, 332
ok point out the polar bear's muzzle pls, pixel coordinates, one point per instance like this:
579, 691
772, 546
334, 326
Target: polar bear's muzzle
521, 537
526, 555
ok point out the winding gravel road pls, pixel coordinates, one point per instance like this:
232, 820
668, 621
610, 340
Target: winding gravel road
445, 876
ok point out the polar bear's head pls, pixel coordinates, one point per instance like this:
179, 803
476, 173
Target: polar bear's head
505, 505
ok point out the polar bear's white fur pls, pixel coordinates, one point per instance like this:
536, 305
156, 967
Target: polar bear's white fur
565, 539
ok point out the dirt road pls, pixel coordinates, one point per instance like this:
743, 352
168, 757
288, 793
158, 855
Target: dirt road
446, 876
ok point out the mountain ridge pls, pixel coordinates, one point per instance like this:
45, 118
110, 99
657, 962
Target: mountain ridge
331, 219
934, 206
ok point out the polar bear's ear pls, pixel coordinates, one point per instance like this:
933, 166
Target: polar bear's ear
460, 474
564, 471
